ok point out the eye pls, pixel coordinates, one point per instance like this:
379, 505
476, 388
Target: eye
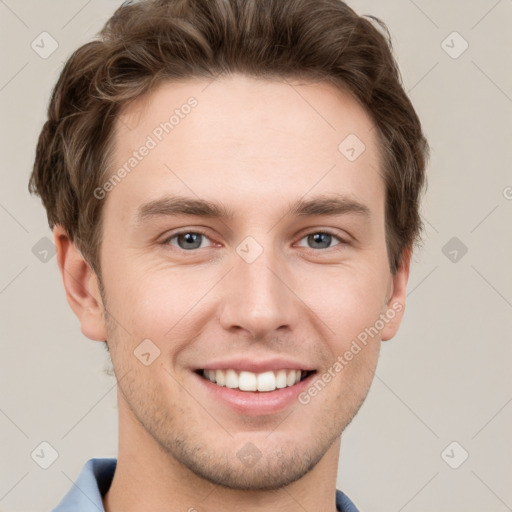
187, 240
191, 240
322, 239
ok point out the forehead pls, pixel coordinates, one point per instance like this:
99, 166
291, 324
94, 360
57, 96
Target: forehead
236, 104
239, 137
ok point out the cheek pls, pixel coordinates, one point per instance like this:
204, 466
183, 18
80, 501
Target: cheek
161, 304
347, 300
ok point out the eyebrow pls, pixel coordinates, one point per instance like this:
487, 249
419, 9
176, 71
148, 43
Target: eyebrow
179, 205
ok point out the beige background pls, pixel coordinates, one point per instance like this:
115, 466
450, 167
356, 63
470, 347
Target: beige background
446, 376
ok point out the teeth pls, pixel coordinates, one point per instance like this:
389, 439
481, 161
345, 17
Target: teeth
266, 381
220, 377
281, 379
249, 381
231, 379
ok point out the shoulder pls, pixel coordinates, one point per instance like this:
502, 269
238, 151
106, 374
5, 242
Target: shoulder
344, 503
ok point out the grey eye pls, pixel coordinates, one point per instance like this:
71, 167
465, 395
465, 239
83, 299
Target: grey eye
188, 240
321, 240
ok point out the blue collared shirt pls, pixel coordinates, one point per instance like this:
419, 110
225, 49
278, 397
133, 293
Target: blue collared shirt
96, 476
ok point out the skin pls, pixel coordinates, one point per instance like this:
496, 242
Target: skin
255, 146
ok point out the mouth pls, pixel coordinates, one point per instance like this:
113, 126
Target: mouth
267, 381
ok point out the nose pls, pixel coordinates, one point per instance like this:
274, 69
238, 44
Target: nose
259, 297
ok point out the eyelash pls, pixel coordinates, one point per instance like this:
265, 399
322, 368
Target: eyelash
199, 232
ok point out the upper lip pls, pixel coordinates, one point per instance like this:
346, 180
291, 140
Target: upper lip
255, 366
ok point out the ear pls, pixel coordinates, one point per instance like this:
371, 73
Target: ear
81, 285
395, 304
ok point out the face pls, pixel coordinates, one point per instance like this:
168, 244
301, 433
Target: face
245, 240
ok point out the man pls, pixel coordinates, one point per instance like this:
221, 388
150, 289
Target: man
233, 188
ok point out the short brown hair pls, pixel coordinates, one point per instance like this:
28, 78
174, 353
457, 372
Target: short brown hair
152, 41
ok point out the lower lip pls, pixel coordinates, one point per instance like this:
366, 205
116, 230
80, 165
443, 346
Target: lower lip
256, 403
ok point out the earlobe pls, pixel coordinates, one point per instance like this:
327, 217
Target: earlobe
81, 286
395, 305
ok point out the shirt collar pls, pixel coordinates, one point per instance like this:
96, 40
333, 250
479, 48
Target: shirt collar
92, 483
